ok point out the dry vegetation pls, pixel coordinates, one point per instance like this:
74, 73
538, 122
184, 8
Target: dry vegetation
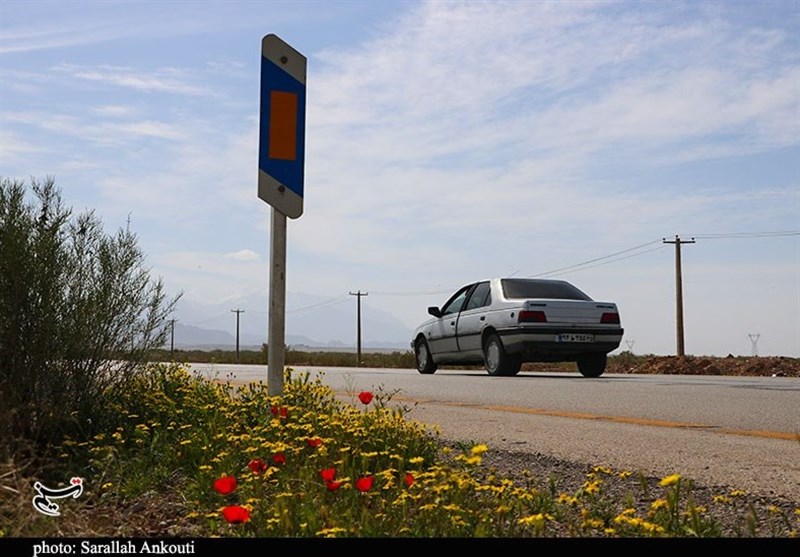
740, 366
753, 366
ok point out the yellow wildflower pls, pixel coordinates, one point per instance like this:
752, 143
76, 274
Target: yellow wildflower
592, 487
658, 504
593, 524
478, 450
536, 520
670, 480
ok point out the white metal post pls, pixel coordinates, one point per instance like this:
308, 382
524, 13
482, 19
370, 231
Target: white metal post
277, 304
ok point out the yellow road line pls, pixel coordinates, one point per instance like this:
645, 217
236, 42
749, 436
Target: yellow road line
619, 419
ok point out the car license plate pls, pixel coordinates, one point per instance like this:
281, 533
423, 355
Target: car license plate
574, 337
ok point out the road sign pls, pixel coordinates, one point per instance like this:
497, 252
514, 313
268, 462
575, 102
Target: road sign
281, 150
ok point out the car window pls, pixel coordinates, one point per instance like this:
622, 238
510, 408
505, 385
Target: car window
540, 288
480, 297
455, 303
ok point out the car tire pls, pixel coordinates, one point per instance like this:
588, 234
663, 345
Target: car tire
495, 359
422, 357
593, 365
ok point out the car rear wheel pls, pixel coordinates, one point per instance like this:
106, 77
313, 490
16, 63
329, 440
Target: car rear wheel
422, 356
593, 365
496, 360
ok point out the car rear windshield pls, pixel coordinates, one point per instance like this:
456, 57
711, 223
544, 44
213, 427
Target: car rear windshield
549, 289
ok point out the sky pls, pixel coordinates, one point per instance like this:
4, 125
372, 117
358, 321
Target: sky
445, 142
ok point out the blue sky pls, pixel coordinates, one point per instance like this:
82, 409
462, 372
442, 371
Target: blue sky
446, 142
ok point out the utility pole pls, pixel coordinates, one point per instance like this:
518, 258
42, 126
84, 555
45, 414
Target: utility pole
172, 339
630, 345
237, 312
679, 289
754, 342
358, 336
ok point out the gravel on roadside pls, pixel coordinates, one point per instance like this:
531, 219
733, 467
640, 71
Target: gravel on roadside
541, 471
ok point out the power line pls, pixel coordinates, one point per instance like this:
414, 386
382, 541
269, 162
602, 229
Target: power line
411, 292
215, 318
304, 308
553, 273
326, 303
599, 259
746, 235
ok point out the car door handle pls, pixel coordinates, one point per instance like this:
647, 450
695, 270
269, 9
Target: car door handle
452, 323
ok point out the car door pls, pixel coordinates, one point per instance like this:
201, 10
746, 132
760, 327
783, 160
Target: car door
442, 338
471, 321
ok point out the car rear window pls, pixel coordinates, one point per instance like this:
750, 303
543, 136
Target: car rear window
548, 289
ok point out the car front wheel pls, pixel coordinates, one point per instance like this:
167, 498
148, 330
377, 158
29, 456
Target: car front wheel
422, 356
496, 360
593, 365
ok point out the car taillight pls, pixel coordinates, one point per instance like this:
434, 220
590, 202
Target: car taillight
531, 317
610, 318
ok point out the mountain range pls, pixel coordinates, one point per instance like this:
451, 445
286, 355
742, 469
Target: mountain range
311, 322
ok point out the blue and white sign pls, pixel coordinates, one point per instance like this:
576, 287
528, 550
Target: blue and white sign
281, 150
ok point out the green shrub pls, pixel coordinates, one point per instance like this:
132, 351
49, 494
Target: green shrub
78, 314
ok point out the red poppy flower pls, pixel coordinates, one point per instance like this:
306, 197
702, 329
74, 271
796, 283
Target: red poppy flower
364, 483
328, 474
282, 411
225, 485
257, 465
332, 485
235, 514
409, 479
279, 458
314, 442
365, 397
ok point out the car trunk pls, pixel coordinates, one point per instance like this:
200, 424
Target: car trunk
578, 312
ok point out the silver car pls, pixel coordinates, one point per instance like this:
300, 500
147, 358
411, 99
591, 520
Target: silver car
505, 322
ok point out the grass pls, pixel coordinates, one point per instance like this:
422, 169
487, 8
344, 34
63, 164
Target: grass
196, 457
396, 360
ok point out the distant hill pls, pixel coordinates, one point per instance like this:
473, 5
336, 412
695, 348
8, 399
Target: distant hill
311, 322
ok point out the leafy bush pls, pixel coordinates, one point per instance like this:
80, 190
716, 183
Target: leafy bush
78, 315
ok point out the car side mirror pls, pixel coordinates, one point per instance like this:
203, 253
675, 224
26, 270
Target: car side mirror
436, 312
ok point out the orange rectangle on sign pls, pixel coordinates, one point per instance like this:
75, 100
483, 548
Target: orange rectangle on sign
283, 125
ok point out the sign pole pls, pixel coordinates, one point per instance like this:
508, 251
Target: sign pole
281, 154
277, 304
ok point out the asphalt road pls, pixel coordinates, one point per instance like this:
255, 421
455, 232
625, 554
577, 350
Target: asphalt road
729, 431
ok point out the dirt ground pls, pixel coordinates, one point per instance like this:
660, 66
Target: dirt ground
754, 366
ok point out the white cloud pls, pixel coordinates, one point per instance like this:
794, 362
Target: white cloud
114, 111
244, 255
165, 80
